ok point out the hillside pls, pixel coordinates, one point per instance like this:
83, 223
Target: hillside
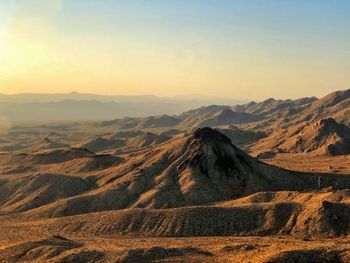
325, 137
167, 176
201, 168
188, 186
241, 137
47, 144
101, 144
335, 105
228, 117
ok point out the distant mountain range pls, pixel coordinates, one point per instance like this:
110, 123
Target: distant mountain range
291, 126
78, 106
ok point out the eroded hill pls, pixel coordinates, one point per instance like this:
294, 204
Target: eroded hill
167, 176
323, 137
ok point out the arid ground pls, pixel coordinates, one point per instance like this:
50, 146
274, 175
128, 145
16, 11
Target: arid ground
259, 182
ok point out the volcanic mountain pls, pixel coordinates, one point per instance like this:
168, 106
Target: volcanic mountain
199, 169
192, 185
325, 137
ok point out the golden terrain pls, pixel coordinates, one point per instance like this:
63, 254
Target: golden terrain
82, 248
160, 189
312, 163
70, 205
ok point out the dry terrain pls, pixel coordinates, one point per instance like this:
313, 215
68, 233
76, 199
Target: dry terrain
169, 249
260, 182
312, 163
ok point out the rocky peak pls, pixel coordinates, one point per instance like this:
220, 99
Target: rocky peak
207, 134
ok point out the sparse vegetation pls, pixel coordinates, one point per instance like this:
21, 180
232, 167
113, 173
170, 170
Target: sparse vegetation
161, 189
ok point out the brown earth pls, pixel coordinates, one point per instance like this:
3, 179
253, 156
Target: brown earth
323, 137
157, 189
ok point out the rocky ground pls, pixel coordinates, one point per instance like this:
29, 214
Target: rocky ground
273, 188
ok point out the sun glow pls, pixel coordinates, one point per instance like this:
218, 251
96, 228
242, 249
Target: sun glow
119, 47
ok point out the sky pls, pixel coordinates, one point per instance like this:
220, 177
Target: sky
242, 49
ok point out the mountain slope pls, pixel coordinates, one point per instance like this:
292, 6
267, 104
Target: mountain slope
192, 185
228, 117
146, 139
143, 123
100, 144
241, 137
47, 144
321, 137
202, 168
271, 106
335, 105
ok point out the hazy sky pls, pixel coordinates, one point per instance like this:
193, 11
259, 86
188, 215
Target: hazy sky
242, 49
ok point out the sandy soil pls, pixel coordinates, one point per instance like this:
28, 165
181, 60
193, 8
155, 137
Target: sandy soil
199, 249
312, 163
